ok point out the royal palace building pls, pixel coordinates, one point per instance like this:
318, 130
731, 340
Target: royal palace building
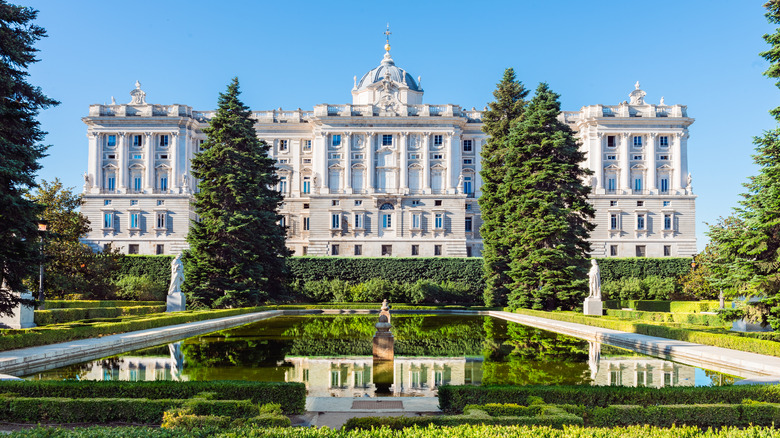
385, 175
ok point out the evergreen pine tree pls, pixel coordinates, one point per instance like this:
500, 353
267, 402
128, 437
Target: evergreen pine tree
510, 101
237, 248
751, 242
20, 150
546, 209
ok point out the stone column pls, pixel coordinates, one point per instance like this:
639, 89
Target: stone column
370, 165
454, 165
320, 161
402, 170
295, 177
652, 185
95, 161
347, 147
426, 162
625, 168
122, 151
682, 153
175, 178
149, 163
596, 153
478, 167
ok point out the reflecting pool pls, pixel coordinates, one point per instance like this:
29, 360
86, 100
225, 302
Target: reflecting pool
332, 356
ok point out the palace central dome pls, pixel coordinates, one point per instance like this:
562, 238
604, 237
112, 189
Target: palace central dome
387, 66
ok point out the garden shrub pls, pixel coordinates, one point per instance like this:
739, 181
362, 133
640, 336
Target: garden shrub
701, 415
90, 410
477, 417
140, 288
290, 396
59, 316
90, 304
454, 398
615, 268
633, 288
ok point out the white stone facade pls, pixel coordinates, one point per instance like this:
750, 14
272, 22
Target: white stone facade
384, 175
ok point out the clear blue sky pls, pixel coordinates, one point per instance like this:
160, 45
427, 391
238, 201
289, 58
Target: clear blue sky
703, 54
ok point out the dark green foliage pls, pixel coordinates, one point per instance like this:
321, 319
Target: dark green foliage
648, 288
455, 398
154, 267
613, 268
237, 248
545, 200
665, 306
500, 116
20, 151
91, 410
555, 418
682, 318
12, 339
140, 288
91, 304
59, 316
291, 396
377, 289
701, 415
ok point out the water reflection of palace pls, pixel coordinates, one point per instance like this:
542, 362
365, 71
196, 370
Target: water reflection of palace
637, 371
354, 376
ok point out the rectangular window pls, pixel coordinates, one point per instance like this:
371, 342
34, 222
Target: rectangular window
664, 185
357, 156
111, 141
640, 222
387, 220
636, 157
613, 203
638, 141
415, 250
414, 156
307, 145
283, 221
387, 140
663, 141
667, 250
387, 250
415, 202
613, 221
437, 156
107, 202
358, 220
160, 202
667, 203
283, 161
437, 202
358, 202
137, 156
467, 145
640, 203
334, 250
358, 251
306, 185
305, 224
437, 250
663, 157
611, 141
611, 184
438, 221
335, 221
164, 141
307, 161
336, 156
111, 183
137, 141
133, 202
612, 157
468, 251
132, 248
468, 188
304, 251
416, 221
640, 250
438, 140
336, 140
108, 219
283, 185
468, 161
163, 183
163, 156
282, 145
613, 250
161, 220
638, 184
468, 224
133, 220
468, 206
159, 249
667, 221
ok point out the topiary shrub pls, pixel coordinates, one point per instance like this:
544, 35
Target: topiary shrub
140, 288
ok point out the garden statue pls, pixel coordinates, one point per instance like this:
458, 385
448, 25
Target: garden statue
593, 304
383, 339
176, 300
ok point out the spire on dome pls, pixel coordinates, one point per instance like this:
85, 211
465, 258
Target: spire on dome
387, 34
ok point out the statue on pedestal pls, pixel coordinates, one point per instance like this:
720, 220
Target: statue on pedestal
593, 304
176, 300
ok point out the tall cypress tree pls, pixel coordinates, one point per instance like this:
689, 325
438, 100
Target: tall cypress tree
546, 208
510, 101
237, 248
20, 150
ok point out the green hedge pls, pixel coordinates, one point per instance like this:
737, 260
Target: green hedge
91, 304
10, 339
555, 418
455, 398
152, 266
466, 431
665, 306
291, 396
681, 318
614, 268
59, 316
709, 415
725, 340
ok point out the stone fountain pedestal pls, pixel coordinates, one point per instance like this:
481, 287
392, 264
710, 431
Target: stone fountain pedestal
383, 352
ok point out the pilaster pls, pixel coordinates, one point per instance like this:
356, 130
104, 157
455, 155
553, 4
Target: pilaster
404, 164
122, 160
149, 163
652, 185
346, 146
426, 160
625, 168
371, 164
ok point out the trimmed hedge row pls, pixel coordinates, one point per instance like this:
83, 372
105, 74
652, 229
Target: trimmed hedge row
681, 318
10, 339
725, 340
553, 417
91, 304
59, 316
614, 268
709, 415
665, 306
454, 399
466, 431
291, 396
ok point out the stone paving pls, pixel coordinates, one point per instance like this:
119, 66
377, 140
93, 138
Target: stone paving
335, 411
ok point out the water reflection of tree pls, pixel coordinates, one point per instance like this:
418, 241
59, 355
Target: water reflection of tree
719, 379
